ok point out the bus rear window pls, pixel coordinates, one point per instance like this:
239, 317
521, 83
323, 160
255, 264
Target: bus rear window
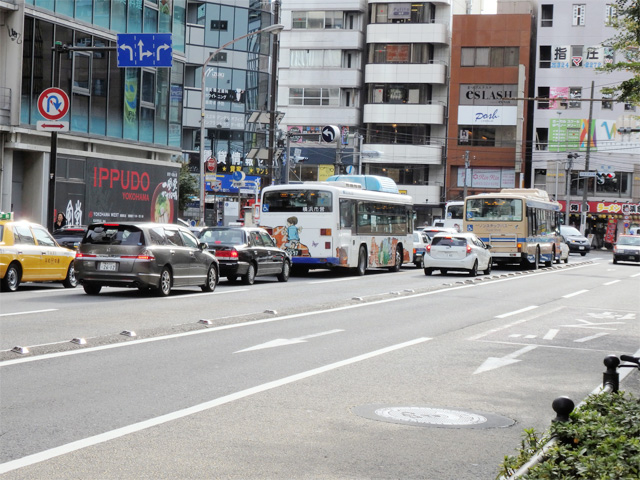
297, 201
492, 209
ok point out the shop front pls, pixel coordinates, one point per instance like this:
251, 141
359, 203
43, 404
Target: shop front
605, 220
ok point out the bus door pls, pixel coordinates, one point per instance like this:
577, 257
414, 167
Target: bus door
345, 248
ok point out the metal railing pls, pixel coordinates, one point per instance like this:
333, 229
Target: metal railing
563, 406
5, 106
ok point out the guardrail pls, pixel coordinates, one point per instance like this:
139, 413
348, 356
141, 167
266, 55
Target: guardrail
563, 406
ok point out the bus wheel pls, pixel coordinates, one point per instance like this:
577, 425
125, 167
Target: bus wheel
362, 262
536, 261
398, 261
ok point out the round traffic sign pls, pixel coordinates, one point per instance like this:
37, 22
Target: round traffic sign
53, 104
238, 176
212, 164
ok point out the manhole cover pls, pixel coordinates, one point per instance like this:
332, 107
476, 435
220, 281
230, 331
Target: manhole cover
432, 417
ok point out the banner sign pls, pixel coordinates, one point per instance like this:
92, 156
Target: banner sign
487, 115
482, 94
127, 191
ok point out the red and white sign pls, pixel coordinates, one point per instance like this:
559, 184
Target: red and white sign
211, 164
53, 104
52, 126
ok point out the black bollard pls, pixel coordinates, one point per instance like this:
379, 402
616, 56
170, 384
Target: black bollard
563, 406
611, 378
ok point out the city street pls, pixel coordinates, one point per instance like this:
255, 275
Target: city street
389, 375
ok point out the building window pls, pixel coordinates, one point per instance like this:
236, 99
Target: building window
315, 58
607, 105
577, 60
542, 139
578, 14
575, 93
489, 56
610, 14
546, 16
413, 12
400, 53
405, 93
314, 96
543, 98
317, 19
399, 134
487, 136
629, 107
545, 56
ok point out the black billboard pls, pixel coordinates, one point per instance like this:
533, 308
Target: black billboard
118, 191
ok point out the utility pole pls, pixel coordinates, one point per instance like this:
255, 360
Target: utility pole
273, 94
585, 204
466, 173
567, 178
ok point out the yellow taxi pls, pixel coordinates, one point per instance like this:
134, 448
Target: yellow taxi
28, 253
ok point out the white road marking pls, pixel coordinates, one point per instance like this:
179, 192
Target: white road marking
635, 275
182, 297
579, 292
551, 334
281, 342
515, 312
592, 325
611, 283
509, 325
492, 363
592, 337
345, 279
29, 312
137, 427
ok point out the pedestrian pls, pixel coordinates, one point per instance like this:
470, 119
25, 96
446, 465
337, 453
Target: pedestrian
60, 222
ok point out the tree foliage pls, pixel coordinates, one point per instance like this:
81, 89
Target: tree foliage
626, 44
188, 187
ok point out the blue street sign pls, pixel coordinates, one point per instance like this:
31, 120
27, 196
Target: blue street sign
144, 50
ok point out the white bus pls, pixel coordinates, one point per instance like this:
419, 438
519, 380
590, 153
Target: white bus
453, 216
522, 225
348, 221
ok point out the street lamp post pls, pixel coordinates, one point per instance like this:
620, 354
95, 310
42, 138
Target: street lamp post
272, 29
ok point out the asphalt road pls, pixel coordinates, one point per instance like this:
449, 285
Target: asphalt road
391, 375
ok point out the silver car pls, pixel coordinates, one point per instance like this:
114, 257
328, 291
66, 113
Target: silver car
147, 256
457, 252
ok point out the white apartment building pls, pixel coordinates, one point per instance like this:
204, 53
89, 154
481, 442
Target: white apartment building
571, 44
377, 68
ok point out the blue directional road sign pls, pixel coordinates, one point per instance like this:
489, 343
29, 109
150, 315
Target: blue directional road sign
144, 50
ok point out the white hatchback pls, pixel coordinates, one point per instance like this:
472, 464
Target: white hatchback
457, 252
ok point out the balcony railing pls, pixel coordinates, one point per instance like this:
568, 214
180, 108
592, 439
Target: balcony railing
5, 106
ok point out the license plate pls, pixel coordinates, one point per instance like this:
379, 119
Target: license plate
581, 248
108, 266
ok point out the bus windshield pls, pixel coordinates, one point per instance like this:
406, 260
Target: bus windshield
491, 209
455, 212
297, 201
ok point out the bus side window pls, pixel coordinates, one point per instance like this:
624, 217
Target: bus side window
346, 213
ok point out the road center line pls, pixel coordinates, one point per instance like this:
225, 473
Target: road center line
152, 422
186, 297
635, 275
579, 292
27, 313
611, 283
515, 312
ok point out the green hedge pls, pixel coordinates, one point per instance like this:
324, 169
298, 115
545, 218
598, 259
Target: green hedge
600, 441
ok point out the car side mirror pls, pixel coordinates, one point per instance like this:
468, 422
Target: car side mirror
202, 246
489, 246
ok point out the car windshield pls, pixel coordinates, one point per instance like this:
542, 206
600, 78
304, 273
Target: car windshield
222, 237
635, 241
449, 241
572, 231
113, 235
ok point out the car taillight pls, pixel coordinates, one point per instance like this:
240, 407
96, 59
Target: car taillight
519, 247
468, 249
326, 232
429, 248
83, 255
615, 249
232, 254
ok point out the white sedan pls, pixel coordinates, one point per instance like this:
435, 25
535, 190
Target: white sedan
457, 252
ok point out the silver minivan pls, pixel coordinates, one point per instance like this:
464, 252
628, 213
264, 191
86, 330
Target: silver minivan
147, 256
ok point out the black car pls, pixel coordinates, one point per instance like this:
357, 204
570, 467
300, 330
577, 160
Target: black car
246, 252
147, 256
70, 236
577, 242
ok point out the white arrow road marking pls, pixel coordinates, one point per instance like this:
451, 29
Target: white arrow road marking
592, 337
494, 362
280, 342
592, 325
